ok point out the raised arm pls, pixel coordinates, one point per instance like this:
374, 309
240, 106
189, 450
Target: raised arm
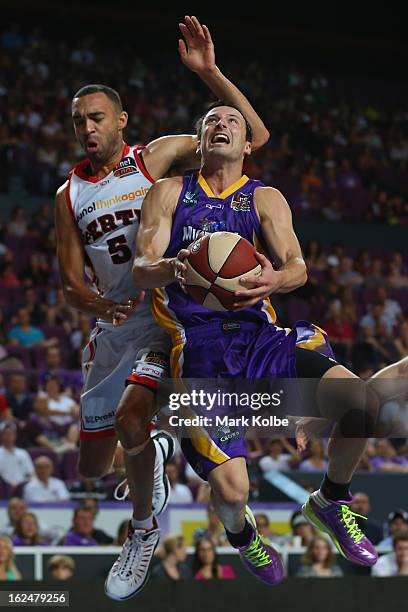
197, 54
71, 258
150, 268
283, 246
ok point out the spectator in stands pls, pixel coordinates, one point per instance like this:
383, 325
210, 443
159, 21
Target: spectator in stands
348, 276
53, 367
372, 528
386, 459
376, 277
18, 397
16, 465
17, 225
32, 305
401, 341
15, 509
99, 535
340, 330
8, 569
396, 278
395, 563
37, 272
61, 567
6, 416
319, 561
8, 277
205, 563
392, 313
63, 410
277, 459
397, 523
41, 431
24, 334
316, 461
302, 532
264, 528
214, 530
27, 532
81, 531
172, 565
44, 487
179, 493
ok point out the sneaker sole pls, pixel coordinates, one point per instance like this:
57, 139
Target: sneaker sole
166, 458
115, 598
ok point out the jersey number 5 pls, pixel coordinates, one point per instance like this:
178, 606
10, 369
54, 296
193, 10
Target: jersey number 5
119, 250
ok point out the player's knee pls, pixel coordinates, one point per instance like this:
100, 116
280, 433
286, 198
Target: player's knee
360, 417
131, 426
232, 493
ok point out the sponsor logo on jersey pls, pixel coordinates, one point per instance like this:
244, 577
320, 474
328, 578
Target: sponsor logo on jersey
241, 202
229, 327
100, 418
126, 166
118, 199
190, 233
191, 198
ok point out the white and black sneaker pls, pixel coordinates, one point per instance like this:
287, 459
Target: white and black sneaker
130, 571
165, 446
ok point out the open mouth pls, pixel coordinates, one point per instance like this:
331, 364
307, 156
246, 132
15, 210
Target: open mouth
220, 138
91, 145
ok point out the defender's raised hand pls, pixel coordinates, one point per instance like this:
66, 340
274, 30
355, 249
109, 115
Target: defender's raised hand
197, 48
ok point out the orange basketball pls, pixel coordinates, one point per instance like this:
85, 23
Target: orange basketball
216, 264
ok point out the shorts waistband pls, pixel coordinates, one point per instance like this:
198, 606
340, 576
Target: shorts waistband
225, 327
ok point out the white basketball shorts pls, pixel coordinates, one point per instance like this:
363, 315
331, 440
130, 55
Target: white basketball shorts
115, 357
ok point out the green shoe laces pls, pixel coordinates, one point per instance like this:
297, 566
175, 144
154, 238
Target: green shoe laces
350, 523
256, 554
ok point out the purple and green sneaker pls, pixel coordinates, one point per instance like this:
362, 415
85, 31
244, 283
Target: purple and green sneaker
260, 558
337, 520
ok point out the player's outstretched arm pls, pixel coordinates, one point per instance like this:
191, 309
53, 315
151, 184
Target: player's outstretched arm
71, 258
283, 246
150, 268
197, 53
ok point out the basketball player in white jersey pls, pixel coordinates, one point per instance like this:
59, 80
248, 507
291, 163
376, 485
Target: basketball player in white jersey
97, 217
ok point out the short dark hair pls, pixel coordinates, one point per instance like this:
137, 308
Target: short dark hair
199, 123
112, 94
400, 536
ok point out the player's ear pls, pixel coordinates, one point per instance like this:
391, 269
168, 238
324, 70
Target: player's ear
198, 148
122, 120
248, 148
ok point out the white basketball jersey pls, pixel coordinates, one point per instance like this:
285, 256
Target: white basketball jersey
107, 213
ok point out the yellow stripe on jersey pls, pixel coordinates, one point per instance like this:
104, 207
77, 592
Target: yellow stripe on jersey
165, 319
204, 445
267, 305
227, 192
318, 339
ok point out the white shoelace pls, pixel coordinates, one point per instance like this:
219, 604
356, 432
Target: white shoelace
134, 560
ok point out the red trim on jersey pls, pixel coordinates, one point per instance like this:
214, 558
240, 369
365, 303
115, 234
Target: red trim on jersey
79, 168
68, 197
141, 165
89, 435
142, 380
92, 346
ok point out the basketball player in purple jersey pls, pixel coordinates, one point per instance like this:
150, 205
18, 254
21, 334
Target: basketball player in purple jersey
97, 213
246, 342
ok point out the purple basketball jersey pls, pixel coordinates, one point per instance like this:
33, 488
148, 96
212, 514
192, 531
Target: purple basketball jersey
199, 210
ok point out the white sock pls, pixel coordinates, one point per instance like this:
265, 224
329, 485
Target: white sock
144, 524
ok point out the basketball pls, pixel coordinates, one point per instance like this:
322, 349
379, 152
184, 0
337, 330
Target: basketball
214, 268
